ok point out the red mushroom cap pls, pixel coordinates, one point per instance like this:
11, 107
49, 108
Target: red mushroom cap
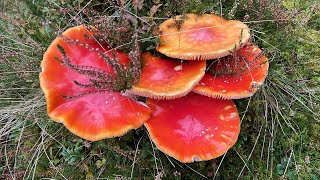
93, 113
201, 37
235, 77
194, 127
164, 78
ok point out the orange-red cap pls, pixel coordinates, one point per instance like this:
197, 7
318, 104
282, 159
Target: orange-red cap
236, 76
94, 113
194, 127
165, 78
201, 37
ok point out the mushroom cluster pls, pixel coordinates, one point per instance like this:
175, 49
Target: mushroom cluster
188, 110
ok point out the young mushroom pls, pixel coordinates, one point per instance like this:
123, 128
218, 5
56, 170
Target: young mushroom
72, 69
235, 76
165, 78
201, 37
194, 127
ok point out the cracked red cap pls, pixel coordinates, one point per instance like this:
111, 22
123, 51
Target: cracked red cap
194, 127
235, 77
165, 78
95, 114
201, 37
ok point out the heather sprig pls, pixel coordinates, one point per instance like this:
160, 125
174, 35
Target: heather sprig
122, 77
234, 65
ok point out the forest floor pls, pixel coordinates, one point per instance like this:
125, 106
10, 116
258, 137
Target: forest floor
280, 128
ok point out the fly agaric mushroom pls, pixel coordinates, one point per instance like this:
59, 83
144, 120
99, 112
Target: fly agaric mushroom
201, 37
89, 112
235, 76
164, 78
194, 127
